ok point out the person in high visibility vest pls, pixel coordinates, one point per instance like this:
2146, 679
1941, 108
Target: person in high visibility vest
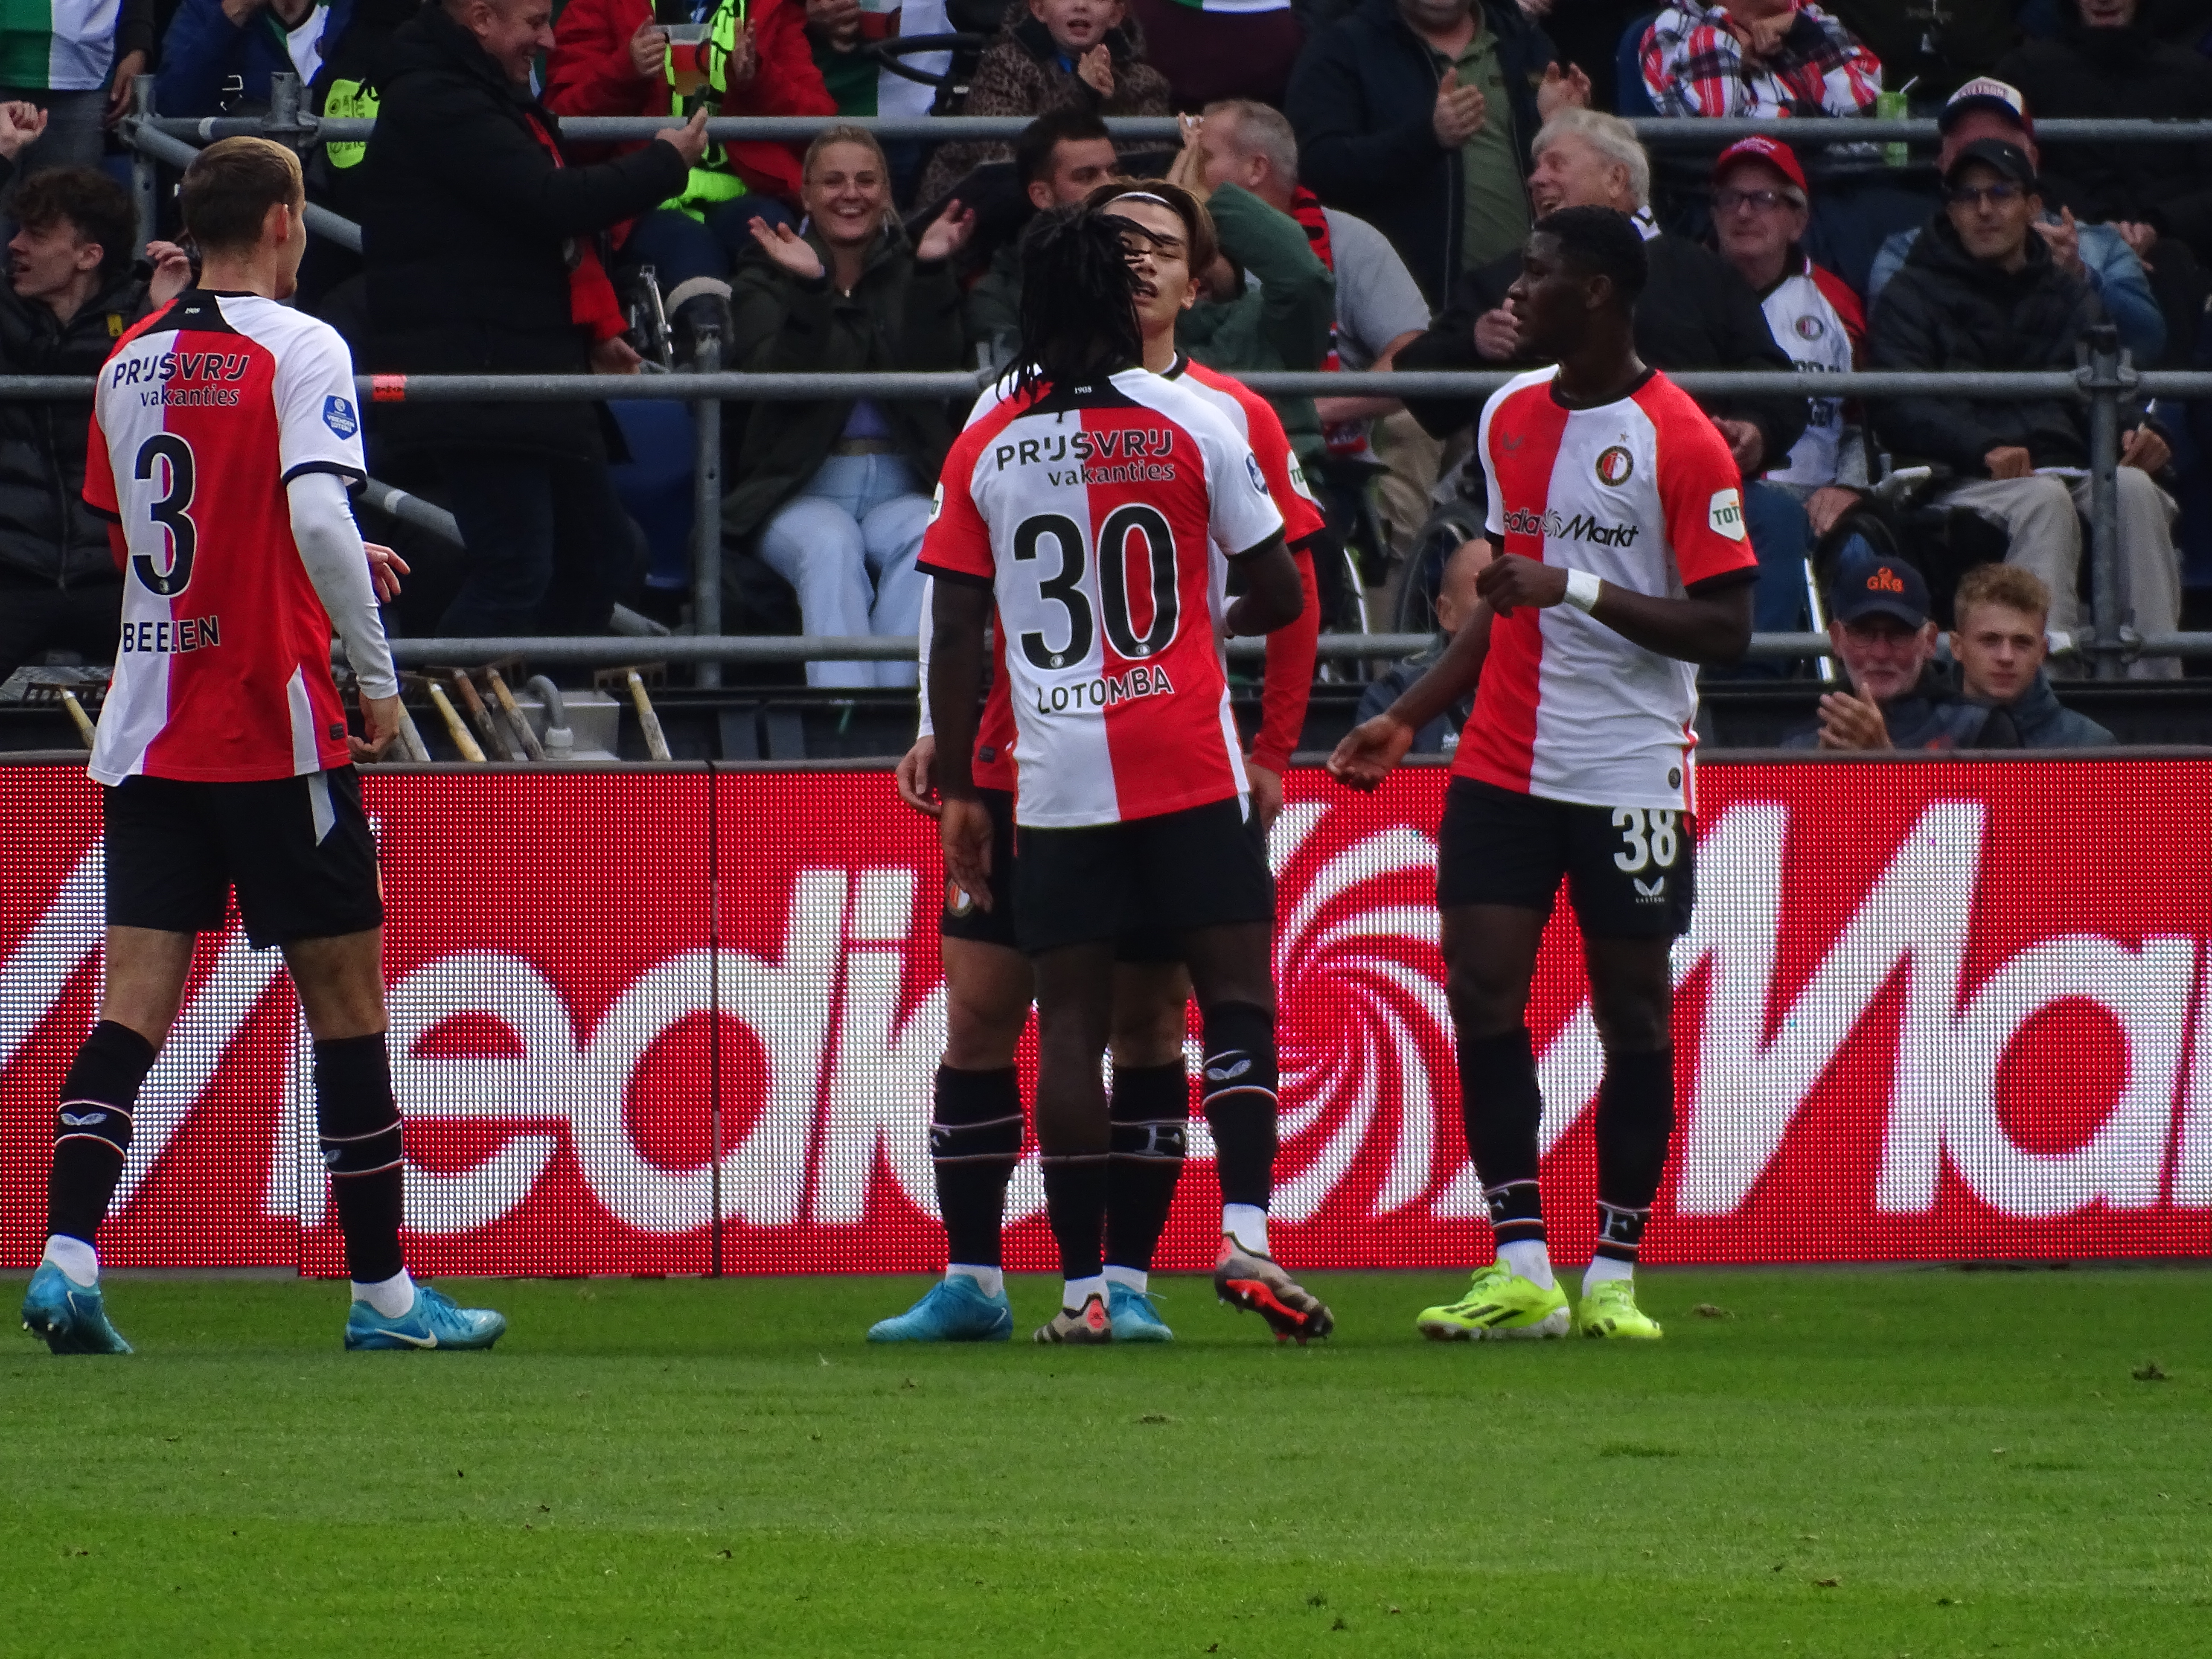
616, 58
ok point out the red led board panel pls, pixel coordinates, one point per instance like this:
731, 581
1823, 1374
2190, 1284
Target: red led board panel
1926, 1012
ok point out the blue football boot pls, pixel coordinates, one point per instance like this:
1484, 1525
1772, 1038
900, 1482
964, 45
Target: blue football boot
955, 1310
70, 1316
433, 1322
1134, 1317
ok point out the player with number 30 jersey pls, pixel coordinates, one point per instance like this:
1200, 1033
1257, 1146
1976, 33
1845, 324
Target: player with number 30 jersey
1090, 512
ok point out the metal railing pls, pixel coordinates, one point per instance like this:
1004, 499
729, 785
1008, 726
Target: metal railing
2105, 380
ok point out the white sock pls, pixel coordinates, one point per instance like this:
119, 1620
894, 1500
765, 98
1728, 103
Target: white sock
1528, 1258
1080, 1290
78, 1260
991, 1281
1602, 1267
1134, 1279
1248, 1225
391, 1298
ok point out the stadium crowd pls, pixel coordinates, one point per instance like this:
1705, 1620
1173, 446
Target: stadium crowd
1372, 168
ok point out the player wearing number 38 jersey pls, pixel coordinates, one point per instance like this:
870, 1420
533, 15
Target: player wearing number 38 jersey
1616, 513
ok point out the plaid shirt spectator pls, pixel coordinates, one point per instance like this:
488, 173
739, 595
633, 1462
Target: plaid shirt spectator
1696, 62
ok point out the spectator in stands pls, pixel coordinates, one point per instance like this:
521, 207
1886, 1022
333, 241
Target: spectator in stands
1059, 159
2105, 64
1378, 309
1695, 312
835, 495
1999, 646
2098, 254
1456, 605
77, 63
1050, 55
1931, 48
1756, 58
612, 57
210, 42
1981, 291
1379, 306
482, 256
1760, 213
1212, 53
1420, 114
1880, 631
72, 288
334, 46
1267, 301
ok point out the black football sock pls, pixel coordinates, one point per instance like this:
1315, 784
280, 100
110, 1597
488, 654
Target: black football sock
1075, 1203
1238, 1095
357, 1123
974, 1140
1635, 1120
1151, 1110
92, 1128
1503, 1109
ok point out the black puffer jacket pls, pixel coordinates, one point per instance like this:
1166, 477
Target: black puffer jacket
45, 529
1362, 100
2127, 73
903, 314
1695, 312
1947, 310
468, 231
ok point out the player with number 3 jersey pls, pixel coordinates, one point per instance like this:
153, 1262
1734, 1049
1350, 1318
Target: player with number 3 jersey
223, 434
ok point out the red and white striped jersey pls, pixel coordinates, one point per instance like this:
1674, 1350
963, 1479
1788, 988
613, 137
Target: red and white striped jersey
1291, 651
206, 411
1091, 513
1642, 493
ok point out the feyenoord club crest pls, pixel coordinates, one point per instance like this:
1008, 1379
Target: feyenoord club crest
958, 902
1810, 327
1614, 465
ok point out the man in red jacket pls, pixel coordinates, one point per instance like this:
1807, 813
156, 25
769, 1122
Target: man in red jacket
613, 58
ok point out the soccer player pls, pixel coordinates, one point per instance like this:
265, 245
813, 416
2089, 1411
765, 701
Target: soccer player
223, 432
1085, 507
1617, 516
975, 1130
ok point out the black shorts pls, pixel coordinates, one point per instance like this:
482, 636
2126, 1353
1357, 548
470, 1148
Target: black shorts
1205, 867
965, 918
1631, 871
297, 850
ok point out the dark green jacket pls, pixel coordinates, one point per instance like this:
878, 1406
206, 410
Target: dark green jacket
993, 309
901, 315
1283, 323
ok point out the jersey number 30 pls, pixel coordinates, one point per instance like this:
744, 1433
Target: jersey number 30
1064, 588
169, 457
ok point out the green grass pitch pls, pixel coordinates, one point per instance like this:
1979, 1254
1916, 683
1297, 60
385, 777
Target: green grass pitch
1872, 1463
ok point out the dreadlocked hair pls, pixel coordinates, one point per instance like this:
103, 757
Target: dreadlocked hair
1078, 314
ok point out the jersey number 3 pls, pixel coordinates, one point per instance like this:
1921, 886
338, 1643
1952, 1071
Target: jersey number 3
1064, 588
167, 456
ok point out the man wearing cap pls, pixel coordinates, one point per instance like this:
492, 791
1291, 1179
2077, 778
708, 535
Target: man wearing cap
2099, 254
1759, 214
1982, 291
1880, 628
